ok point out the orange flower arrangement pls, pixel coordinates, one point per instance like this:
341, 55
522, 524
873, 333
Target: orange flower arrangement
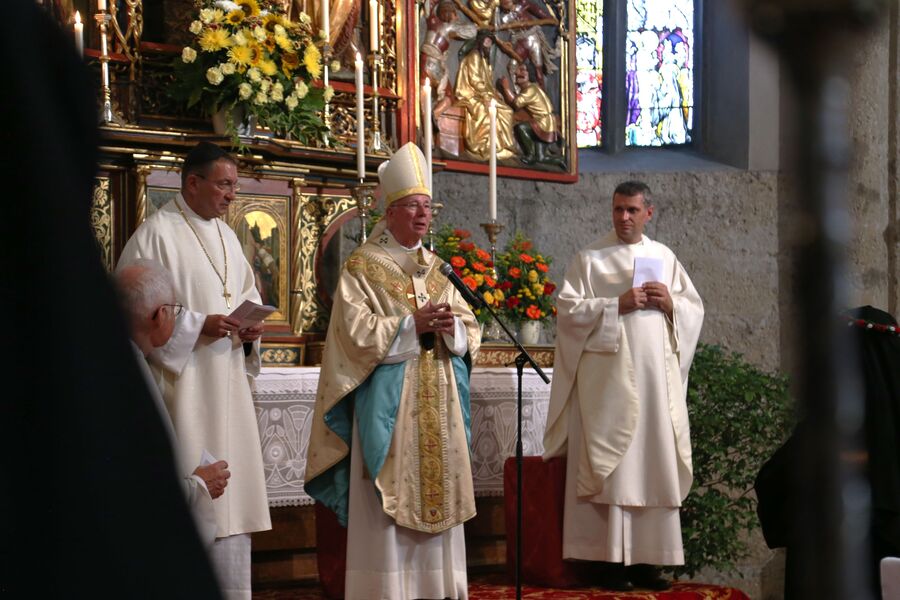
472, 264
523, 276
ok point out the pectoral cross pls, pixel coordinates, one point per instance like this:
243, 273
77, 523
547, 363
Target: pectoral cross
227, 297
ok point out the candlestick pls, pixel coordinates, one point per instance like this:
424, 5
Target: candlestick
101, 5
373, 25
492, 165
79, 34
492, 229
103, 19
435, 211
426, 129
376, 147
364, 193
360, 122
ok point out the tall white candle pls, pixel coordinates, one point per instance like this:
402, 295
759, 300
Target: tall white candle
79, 34
104, 64
492, 165
101, 5
426, 128
360, 122
326, 20
373, 25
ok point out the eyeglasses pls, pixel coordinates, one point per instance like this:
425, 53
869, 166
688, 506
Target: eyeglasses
224, 186
176, 309
413, 207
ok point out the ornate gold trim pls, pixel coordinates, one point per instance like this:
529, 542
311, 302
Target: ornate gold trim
281, 355
102, 220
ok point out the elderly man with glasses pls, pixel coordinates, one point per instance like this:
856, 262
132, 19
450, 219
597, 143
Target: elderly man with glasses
389, 450
203, 368
145, 286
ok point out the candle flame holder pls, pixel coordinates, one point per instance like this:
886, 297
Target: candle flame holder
492, 229
107, 116
364, 194
326, 61
376, 145
435, 211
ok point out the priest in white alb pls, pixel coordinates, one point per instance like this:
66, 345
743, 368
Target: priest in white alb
618, 408
389, 447
203, 369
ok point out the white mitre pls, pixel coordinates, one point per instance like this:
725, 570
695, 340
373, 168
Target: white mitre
404, 174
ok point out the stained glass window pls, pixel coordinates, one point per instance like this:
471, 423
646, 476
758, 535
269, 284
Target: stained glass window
659, 78
589, 78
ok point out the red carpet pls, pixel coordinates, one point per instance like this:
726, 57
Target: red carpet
496, 587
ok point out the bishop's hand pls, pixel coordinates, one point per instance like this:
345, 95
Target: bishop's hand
435, 318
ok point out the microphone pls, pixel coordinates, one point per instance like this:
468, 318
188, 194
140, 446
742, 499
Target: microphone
468, 296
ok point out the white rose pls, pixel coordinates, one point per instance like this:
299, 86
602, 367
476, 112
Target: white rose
301, 90
259, 33
214, 75
254, 74
206, 15
196, 27
245, 90
239, 39
265, 84
304, 18
188, 55
261, 98
227, 68
277, 95
291, 102
279, 30
335, 66
278, 87
328, 94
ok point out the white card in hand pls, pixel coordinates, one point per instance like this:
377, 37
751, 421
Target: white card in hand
207, 459
646, 269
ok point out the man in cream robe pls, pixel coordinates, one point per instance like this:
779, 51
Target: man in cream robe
202, 370
389, 447
618, 402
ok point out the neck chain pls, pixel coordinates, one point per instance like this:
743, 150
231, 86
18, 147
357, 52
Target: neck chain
223, 279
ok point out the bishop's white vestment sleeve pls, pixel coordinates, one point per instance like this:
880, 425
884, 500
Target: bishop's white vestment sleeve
175, 354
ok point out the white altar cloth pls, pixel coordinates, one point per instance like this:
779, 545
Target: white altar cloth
284, 400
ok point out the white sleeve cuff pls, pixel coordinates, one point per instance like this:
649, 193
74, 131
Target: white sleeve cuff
405, 344
605, 335
457, 343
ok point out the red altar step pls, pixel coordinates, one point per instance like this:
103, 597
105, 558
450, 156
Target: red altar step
544, 574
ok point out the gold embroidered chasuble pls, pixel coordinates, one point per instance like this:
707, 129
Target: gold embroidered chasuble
425, 481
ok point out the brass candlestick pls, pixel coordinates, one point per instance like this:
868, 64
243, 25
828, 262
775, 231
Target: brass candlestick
376, 144
107, 117
435, 210
492, 229
364, 193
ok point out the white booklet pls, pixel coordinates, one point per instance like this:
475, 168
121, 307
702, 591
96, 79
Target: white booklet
646, 269
206, 458
250, 313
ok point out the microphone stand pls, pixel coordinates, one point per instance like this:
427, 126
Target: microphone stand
521, 360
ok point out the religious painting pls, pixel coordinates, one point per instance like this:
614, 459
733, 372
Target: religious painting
261, 227
512, 58
157, 197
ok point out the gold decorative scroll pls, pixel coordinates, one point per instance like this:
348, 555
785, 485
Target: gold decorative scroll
102, 220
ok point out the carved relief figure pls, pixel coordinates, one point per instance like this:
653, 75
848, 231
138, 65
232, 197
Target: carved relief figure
538, 132
474, 91
443, 25
527, 40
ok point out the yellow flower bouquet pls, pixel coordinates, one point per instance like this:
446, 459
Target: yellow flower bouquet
472, 264
523, 275
247, 54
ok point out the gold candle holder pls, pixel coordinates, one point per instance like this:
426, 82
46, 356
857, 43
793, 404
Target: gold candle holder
364, 194
492, 229
376, 146
107, 117
435, 211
